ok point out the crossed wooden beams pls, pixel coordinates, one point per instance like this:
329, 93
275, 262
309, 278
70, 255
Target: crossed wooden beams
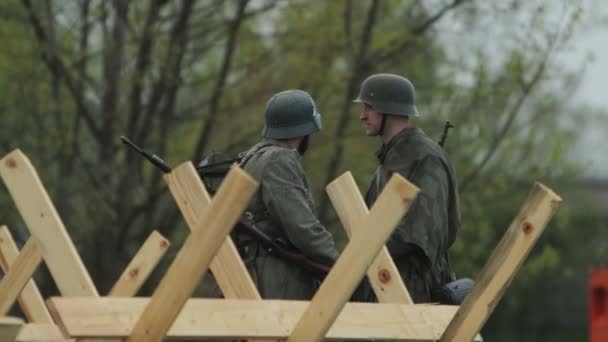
170, 312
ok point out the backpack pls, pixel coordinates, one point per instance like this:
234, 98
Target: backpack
213, 168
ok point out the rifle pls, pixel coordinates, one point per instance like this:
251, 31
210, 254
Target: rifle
247, 225
444, 134
280, 247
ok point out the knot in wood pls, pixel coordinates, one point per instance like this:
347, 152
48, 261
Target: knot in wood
527, 227
134, 272
11, 163
164, 244
384, 276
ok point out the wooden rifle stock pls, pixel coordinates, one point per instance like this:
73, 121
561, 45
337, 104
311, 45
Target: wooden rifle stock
280, 248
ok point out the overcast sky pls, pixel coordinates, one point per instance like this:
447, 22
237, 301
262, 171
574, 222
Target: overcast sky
593, 147
590, 38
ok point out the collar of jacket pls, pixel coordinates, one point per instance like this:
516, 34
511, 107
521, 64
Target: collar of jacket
403, 135
278, 143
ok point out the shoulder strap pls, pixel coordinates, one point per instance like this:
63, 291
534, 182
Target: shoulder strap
244, 157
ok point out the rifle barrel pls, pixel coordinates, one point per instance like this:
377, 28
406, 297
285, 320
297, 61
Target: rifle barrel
153, 158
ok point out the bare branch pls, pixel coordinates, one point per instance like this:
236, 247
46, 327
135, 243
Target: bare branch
168, 85
526, 89
420, 30
218, 90
348, 26
169, 74
142, 62
83, 44
358, 70
57, 66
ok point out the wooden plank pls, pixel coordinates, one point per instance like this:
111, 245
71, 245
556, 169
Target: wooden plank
239, 319
504, 262
45, 225
140, 266
39, 332
227, 266
9, 328
30, 299
338, 286
19, 274
383, 275
194, 257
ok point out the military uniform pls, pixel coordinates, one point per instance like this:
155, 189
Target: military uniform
283, 209
421, 240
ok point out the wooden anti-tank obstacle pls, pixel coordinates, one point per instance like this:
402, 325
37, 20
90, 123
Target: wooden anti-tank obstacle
80, 313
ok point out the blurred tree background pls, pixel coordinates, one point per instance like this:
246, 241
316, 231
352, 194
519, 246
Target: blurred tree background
184, 77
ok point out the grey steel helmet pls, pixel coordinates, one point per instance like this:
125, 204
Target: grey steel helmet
389, 94
291, 114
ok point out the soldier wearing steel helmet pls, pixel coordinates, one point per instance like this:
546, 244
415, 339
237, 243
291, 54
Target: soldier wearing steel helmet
419, 245
283, 205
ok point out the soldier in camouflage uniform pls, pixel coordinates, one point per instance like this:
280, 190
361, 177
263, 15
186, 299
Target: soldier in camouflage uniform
283, 205
419, 245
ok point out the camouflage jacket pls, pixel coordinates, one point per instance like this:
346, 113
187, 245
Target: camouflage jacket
283, 208
421, 240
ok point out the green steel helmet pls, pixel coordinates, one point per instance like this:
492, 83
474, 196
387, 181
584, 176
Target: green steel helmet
389, 94
291, 114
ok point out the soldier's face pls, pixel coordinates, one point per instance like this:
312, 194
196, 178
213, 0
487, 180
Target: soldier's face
372, 120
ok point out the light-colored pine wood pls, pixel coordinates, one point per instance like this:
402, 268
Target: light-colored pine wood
30, 299
227, 266
45, 225
41, 332
338, 286
9, 328
140, 266
239, 319
504, 262
18, 275
383, 275
194, 257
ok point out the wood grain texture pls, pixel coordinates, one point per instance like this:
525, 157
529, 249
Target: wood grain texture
194, 258
227, 266
41, 332
140, 267
355, 260
45, 225
238, 318
504, 262
20, 273
383, 275
30, 299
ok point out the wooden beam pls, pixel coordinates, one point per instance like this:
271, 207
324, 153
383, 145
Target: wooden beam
504, 262
203, 318
30, 299
338, 286
140, 266
40, 332
194, 257
9, 328
19, 274
383, 275
227, 266
45, 225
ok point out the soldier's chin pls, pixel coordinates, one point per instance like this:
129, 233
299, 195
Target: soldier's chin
371, 132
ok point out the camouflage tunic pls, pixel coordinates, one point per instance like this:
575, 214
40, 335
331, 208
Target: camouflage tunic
283, 208
421, 240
